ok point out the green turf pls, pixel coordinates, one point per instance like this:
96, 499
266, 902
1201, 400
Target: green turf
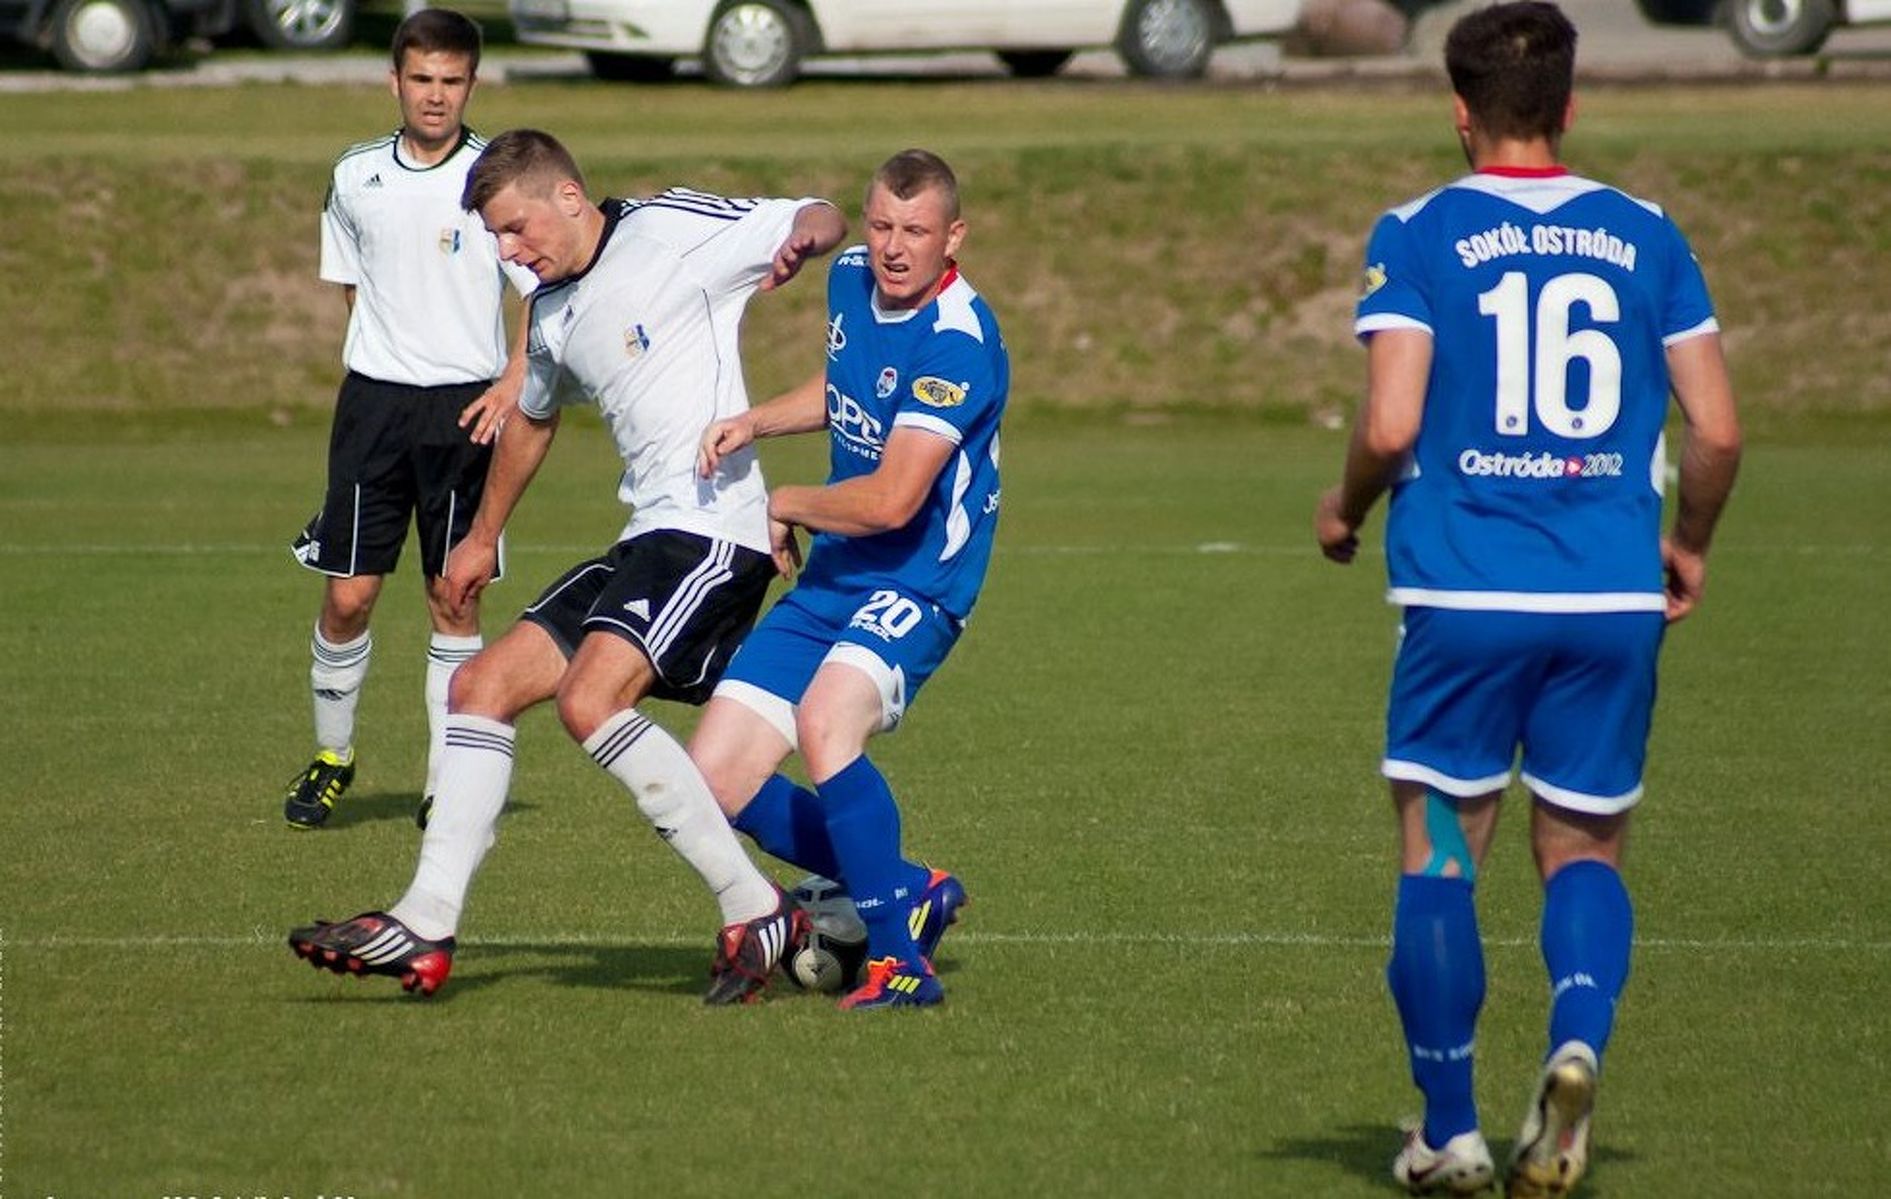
1152, 760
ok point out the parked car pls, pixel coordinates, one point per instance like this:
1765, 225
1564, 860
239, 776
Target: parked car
761, 43
124, 35
1770, 28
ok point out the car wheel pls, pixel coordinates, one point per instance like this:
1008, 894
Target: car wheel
1767, 28
302, 24
1167, 39
1034, 64
756, 43
630, 68
103, 35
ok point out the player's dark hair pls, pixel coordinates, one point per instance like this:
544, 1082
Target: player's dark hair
910, 172
437, 30
530, 157
1514, 65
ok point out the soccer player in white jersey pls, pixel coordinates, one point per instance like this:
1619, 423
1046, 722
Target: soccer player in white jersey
637, 311
1524, 330
914, 387
426, 342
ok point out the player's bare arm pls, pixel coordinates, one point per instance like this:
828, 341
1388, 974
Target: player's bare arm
817, 229
487, 415
800, 409
1710, 459
514, 461
1398, 369
873, 503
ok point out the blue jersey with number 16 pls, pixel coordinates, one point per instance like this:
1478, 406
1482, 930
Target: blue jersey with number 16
941, 368
1535, 484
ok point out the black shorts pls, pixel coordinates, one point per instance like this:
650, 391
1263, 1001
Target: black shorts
396, 452
685, 600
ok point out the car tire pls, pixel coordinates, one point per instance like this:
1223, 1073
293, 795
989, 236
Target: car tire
1678, 12
1034, 64
104, 36
302, 24
756, 43
631, 68
1167, 39
1774, 28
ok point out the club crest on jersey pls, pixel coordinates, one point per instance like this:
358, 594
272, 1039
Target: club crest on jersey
449, 241
836, 337
889, 382
934, 392
636, 341
1375, 279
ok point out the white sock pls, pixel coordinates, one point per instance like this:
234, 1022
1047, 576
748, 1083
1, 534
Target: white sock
475, 773
672, 795
335, 678
445, 652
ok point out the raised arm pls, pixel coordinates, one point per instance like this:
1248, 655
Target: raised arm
817, 228
1710, 459
1398, 365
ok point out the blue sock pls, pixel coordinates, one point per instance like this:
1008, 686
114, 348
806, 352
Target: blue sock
1588, 929
1437, 980
863, 825
787, 821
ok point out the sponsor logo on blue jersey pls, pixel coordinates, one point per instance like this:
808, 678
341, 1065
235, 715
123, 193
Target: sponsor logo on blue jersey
889, 382
935, 392
1507, 240
836, 337
1478, 464
859, 430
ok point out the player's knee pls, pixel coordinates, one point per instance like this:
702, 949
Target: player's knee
583, 710
479, 687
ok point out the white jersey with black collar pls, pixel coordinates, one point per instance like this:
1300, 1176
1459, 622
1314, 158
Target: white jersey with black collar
649, 333
428, 281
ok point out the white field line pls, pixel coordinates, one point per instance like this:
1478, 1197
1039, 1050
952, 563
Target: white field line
1206, 548
1181, 940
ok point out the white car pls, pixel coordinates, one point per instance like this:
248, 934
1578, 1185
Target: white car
760, 43
1771, 28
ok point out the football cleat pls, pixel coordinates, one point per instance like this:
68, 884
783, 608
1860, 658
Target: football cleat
1553, 1148
312, 794
747, 953
892, 983
376, 943
1461, 1167
937, 908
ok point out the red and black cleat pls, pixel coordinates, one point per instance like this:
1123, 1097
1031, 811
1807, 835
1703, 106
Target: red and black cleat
376, 943
747, 954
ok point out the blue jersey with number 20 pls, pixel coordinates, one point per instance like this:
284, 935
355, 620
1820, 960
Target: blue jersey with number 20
1535, 483
941, 368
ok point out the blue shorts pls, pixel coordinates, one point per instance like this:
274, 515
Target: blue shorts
893, 636
1576, 692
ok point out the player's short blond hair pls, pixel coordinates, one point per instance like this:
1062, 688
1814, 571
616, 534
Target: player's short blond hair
910, 172
532, 158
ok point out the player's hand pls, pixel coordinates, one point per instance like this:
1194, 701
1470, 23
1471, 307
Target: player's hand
488, 414
784, 547
469, 568
1338, 537
1686, 578
788, 259
721, 439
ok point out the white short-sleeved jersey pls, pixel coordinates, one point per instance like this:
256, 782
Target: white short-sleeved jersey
648, 332
427, 277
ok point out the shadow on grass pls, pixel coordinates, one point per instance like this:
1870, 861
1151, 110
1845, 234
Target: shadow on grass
375, 807
1366, 1152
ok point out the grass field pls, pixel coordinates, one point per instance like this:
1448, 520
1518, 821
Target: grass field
1151, 759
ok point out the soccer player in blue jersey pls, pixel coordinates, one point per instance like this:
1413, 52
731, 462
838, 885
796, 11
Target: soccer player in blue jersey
912, 393
1524, 329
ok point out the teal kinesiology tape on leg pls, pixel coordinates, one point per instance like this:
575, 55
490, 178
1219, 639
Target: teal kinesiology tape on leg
1447, 839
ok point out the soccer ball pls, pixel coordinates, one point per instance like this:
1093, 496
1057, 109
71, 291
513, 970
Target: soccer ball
837, 940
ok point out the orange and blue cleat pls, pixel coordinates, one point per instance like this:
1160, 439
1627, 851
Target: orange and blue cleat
892, 983
937, 907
